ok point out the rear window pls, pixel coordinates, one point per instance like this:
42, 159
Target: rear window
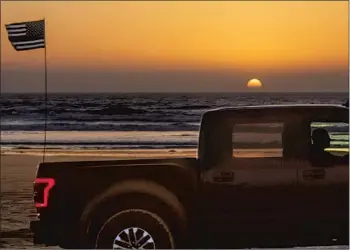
256, 140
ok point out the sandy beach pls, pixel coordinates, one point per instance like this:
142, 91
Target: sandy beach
17, 175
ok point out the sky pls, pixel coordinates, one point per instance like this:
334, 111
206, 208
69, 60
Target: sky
180, 46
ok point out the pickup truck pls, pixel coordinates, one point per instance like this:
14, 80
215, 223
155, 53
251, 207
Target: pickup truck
265, 176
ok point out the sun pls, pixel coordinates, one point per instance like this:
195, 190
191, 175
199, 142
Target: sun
254, 83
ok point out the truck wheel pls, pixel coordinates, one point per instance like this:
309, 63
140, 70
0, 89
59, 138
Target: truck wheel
134, 229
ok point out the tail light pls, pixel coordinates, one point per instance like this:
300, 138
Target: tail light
42, 187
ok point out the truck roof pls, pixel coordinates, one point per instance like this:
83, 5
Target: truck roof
280, 109
283, 106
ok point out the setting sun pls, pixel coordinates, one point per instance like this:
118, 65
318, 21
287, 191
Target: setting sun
254, 83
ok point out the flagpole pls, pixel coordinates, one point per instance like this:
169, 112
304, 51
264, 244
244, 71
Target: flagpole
46, 110
27, 36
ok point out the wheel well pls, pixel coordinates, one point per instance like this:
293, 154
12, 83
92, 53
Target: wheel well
130, 188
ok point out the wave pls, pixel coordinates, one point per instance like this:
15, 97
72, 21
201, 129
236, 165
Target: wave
100, 127
117, 109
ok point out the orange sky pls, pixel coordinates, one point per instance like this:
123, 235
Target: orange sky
248, 36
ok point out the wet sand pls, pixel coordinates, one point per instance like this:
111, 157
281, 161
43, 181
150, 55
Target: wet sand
17, 207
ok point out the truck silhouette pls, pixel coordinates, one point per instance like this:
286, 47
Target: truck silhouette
227, 197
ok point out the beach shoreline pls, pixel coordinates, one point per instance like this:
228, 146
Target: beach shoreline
110, 153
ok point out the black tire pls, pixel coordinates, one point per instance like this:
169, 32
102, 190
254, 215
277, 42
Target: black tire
135, 218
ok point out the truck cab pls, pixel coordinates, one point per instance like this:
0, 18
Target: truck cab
258, 176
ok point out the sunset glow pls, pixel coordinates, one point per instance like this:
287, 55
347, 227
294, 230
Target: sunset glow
185, 34
180, 46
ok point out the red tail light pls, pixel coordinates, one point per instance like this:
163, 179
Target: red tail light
42, 187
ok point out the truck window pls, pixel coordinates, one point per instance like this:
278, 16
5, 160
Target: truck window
257, 140
338, 133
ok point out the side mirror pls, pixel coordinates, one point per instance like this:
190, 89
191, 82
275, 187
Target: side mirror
346, 104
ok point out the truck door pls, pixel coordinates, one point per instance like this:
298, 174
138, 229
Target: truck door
324, 187
247, 196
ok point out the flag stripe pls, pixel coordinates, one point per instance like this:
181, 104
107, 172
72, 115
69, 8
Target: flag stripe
13, 26
31, 46
29, 42
23, 38
16, 30
18, 34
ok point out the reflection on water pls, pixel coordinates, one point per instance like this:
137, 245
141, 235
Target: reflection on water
277, 152
257, 153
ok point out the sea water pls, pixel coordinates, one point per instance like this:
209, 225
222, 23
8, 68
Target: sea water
132, 120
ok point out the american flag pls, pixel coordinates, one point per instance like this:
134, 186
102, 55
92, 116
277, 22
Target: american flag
27, 35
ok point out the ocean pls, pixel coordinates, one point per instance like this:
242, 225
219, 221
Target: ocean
130, 120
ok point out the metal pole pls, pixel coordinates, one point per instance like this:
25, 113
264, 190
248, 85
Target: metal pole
46, 111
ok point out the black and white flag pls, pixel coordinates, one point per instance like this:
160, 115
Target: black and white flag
27, 35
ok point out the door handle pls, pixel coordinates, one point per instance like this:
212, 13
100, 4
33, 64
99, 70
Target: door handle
224, 177
314, 174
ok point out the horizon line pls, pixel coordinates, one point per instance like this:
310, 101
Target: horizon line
189, 92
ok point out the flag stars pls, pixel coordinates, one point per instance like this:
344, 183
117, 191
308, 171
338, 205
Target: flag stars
36, 29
